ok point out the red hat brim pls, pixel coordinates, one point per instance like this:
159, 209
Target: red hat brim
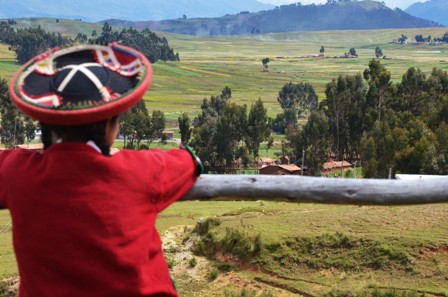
82, 113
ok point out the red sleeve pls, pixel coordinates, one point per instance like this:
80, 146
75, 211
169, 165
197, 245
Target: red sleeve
176, 177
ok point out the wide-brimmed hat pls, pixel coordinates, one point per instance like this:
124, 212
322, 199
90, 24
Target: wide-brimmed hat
81, 84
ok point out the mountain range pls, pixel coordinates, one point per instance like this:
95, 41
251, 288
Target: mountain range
435, 10
134, 10
334, 15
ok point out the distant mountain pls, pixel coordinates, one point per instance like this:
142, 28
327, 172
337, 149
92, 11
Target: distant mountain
434, 10
134, 10
335, 15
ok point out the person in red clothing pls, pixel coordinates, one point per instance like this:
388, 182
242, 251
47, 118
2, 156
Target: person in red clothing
84, 221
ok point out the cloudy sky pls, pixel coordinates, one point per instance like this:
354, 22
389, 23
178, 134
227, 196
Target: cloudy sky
403, 4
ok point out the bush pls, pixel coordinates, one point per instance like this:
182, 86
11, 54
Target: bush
241, 244
214, 274
171, 263
193, 262
225, 267
339, 251
204, 226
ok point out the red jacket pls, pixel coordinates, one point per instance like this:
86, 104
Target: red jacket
84, 224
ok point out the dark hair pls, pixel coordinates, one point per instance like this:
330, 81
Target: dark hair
95, 132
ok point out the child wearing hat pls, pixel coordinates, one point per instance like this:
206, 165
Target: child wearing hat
84, 221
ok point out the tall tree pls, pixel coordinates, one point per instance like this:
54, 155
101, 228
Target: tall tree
300, 97
411, 93
184, 127
134, 125
378, 52
257, 128
380, 89
315, 142
220, 131
157, 124
344, 97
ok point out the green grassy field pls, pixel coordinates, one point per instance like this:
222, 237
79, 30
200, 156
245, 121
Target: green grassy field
417, 233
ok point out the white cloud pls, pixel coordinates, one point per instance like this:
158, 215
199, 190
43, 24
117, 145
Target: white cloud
403, 4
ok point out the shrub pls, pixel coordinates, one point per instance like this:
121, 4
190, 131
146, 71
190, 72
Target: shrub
171, 263
225, 267
241, 244
193, 262
214, 274
203, 227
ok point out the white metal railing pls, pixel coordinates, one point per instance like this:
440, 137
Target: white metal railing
319, 190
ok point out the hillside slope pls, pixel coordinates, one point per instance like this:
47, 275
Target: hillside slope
294, 17
94, 11
434, 10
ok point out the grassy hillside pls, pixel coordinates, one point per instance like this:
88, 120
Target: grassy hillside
208, 64
316, 249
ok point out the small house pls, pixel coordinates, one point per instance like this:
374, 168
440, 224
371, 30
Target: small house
332, 166
290, 169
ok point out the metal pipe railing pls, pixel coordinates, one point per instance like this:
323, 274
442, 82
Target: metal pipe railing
320, 190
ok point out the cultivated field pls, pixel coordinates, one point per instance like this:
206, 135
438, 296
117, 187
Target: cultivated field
335, 242
208, 64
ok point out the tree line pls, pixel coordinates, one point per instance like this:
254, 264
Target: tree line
28, 42
367, 118
420, 38
364, 118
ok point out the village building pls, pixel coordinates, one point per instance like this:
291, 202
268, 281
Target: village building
333, 166
262, 162
290, 169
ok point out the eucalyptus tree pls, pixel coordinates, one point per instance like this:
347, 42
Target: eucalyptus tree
257, 127
314, 140
134, 125
344, 107
380, 90
184, 128
220, 130
411, 93
299, 97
